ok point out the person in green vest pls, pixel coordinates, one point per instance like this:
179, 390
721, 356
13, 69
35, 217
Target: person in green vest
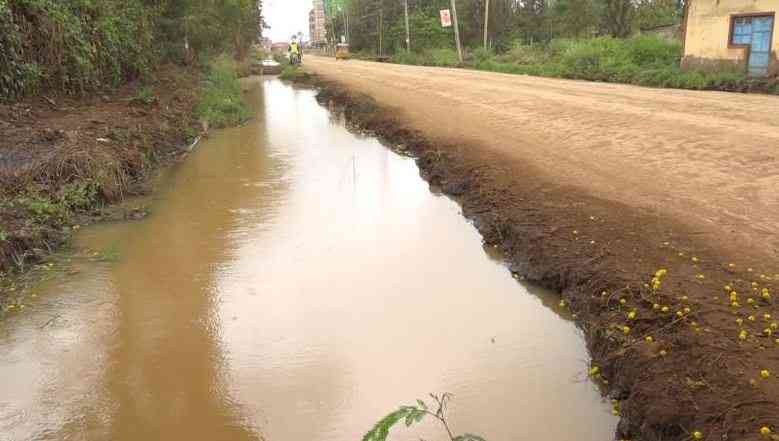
295, 52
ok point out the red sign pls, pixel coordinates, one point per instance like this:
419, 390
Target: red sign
446, 18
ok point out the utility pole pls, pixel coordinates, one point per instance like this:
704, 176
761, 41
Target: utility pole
486, 21
381, 32
457, 31
408, 33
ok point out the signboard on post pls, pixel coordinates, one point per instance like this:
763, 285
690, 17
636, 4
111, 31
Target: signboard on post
446, 18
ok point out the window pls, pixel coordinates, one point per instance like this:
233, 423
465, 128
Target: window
742, 31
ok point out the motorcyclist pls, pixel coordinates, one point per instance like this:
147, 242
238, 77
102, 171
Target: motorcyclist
295, 50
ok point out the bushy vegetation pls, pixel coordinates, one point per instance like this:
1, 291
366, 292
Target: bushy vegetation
221, 103
511, 21
76, 46
641, 60
596, 40
429, 57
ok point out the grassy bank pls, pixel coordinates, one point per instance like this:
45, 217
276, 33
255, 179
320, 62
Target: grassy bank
221, 103
66, 166
642, 60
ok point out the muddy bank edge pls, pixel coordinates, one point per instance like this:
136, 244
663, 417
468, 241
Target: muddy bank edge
65, 162
678, 357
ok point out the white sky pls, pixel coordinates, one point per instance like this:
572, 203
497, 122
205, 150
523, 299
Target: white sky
286, 17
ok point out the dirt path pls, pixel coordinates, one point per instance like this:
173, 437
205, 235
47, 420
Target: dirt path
708, 159
653, 213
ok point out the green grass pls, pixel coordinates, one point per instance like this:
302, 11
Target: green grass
221, 102
293, 73
641, 60
430, 57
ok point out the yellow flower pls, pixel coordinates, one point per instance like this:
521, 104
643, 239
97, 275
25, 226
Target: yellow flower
768, 332
728, 288
697, 434
631, 315
740, 321
765, 431
751, 318
767, 317
687, 310
750, 300
655, 306
594, 371
649, 339
695, 259
663, 353
622, 301
626, 329
665, 309
743, 335
774, 325
765, 373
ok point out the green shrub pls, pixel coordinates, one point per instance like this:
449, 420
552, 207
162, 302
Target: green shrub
481, 55
293, 73
443, 57
650, 50
526, 54
404, 57
221, 102
433, 57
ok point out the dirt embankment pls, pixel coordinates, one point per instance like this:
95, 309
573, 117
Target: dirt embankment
682, 335
62, 160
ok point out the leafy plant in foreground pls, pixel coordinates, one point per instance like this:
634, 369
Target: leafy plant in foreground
411, 415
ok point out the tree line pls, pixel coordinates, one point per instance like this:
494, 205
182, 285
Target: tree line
510, 21
80, 45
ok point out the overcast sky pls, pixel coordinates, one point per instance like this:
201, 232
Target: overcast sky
286, 17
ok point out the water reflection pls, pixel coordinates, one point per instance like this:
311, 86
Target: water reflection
294, 282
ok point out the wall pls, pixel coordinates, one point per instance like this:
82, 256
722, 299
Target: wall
708, 30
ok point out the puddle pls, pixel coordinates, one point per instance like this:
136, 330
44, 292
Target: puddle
293, 282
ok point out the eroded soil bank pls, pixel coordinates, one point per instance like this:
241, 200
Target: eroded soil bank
682, 334
63, 160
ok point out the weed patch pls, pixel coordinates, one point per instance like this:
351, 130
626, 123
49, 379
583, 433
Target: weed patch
221, 103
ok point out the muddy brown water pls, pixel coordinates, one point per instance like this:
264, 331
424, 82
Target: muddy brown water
294, 282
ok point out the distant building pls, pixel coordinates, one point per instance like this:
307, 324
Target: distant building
316, 23
728, 33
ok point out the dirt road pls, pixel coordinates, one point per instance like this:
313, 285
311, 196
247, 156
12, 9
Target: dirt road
707, 159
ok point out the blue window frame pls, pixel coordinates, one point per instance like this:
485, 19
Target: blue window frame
742, 31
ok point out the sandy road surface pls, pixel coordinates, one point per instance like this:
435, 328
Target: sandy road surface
708, 159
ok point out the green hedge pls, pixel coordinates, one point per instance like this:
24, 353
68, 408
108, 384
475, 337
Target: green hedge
72, 45
78, 46
643, 60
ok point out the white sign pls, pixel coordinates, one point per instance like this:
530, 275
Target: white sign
446, 18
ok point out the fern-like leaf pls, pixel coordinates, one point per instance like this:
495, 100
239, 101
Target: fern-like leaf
408, 414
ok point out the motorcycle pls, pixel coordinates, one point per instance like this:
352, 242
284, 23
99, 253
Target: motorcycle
294, 59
